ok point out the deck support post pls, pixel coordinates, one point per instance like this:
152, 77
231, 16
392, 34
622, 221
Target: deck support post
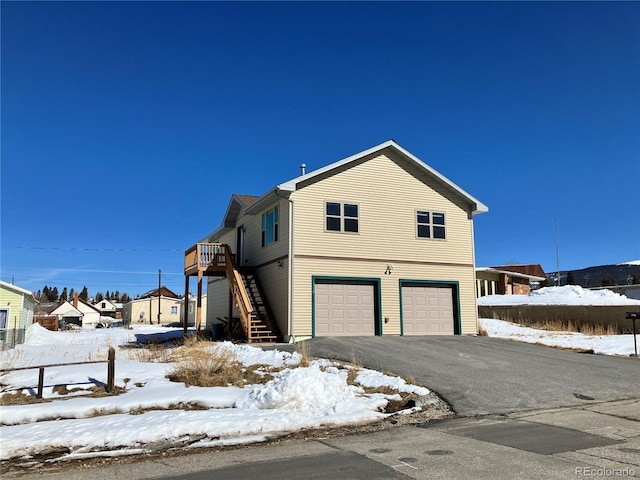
185, 316
199, 303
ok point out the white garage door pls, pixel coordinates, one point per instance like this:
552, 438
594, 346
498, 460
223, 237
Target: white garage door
427, 310
343, 309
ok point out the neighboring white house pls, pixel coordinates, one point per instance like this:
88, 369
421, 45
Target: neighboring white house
77, 312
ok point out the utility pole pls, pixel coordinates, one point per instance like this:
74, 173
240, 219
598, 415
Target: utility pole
557, 255
159, 293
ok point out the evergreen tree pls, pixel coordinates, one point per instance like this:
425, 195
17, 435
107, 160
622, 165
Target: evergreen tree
635, 280
125, 298
116, 296
45, 293
53, 295
63, 295
99, 297
607, 282
72, 293
570, 279
84, 294
107, 295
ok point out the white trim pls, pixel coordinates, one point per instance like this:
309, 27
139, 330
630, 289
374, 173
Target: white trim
532, 278
292, 185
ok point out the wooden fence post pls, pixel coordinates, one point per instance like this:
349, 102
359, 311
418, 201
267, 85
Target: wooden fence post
111, 370
40, 382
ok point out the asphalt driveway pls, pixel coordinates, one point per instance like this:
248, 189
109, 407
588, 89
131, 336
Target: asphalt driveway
483, 375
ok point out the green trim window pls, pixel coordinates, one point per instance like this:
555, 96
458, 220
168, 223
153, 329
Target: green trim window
341, 217
430, 225
270, 227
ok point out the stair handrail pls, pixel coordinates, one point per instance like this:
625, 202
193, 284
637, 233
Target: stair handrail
239, 292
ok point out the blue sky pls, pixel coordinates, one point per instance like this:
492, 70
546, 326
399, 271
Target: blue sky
126, 127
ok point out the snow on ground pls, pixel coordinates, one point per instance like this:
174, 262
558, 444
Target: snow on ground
632, 262
602, 344
565, 295
151, 409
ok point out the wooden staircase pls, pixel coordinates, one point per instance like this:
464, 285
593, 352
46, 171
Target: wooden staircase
256, 318
262, 326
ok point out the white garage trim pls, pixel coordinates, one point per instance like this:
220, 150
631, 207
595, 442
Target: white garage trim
441, 290
364, 296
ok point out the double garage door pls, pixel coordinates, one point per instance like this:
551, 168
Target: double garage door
349, 309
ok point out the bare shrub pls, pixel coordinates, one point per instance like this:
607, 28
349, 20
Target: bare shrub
206, 368
303, 350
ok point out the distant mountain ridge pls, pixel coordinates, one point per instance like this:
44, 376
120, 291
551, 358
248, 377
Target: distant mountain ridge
621, 274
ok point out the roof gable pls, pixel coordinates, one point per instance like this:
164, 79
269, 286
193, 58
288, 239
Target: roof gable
298, 182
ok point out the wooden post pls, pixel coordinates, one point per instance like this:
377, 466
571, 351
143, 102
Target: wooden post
111, 370
199, 303
40, 382
185, 316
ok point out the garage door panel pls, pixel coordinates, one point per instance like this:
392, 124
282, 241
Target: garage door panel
427, 310
348, 311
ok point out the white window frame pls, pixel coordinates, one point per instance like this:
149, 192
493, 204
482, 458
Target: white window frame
275, 221
430, 225
342, 217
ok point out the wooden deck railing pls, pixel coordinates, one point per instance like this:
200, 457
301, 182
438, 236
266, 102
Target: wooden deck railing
239, 294
204, 256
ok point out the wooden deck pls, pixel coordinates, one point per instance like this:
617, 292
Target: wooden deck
206, 259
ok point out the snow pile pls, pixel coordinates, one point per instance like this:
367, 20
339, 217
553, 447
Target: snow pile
601, 344
566, 295
153, 410
632, 262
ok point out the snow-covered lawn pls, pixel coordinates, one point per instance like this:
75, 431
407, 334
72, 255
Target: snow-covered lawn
601, 344
565, 295
153, 410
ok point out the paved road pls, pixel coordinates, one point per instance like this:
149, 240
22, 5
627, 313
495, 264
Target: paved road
483, 375
594, 434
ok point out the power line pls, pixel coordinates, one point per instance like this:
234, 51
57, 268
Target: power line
93, 249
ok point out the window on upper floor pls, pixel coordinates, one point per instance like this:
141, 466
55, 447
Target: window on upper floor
430, 224
270, 227
341, 217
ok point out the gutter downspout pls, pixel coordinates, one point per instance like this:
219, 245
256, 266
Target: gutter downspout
290, 290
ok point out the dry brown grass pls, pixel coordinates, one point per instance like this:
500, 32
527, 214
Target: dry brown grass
18, 398
201, 367
303, 349
584, 328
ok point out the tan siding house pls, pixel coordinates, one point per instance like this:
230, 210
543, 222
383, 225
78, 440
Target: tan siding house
378, 243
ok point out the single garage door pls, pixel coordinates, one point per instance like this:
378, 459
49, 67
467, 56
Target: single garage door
344, 309
427, 310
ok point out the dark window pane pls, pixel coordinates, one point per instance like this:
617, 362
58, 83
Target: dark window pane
333, 224
333, 208
350, 210
438, 218
438, 232
423, 217
350, 225
423, 231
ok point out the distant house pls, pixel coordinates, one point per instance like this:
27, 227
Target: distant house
106, 307
145, 308
508, 280
77, 312
16, 313
378, 243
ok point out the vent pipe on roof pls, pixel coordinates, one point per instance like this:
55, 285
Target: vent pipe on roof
303, 169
